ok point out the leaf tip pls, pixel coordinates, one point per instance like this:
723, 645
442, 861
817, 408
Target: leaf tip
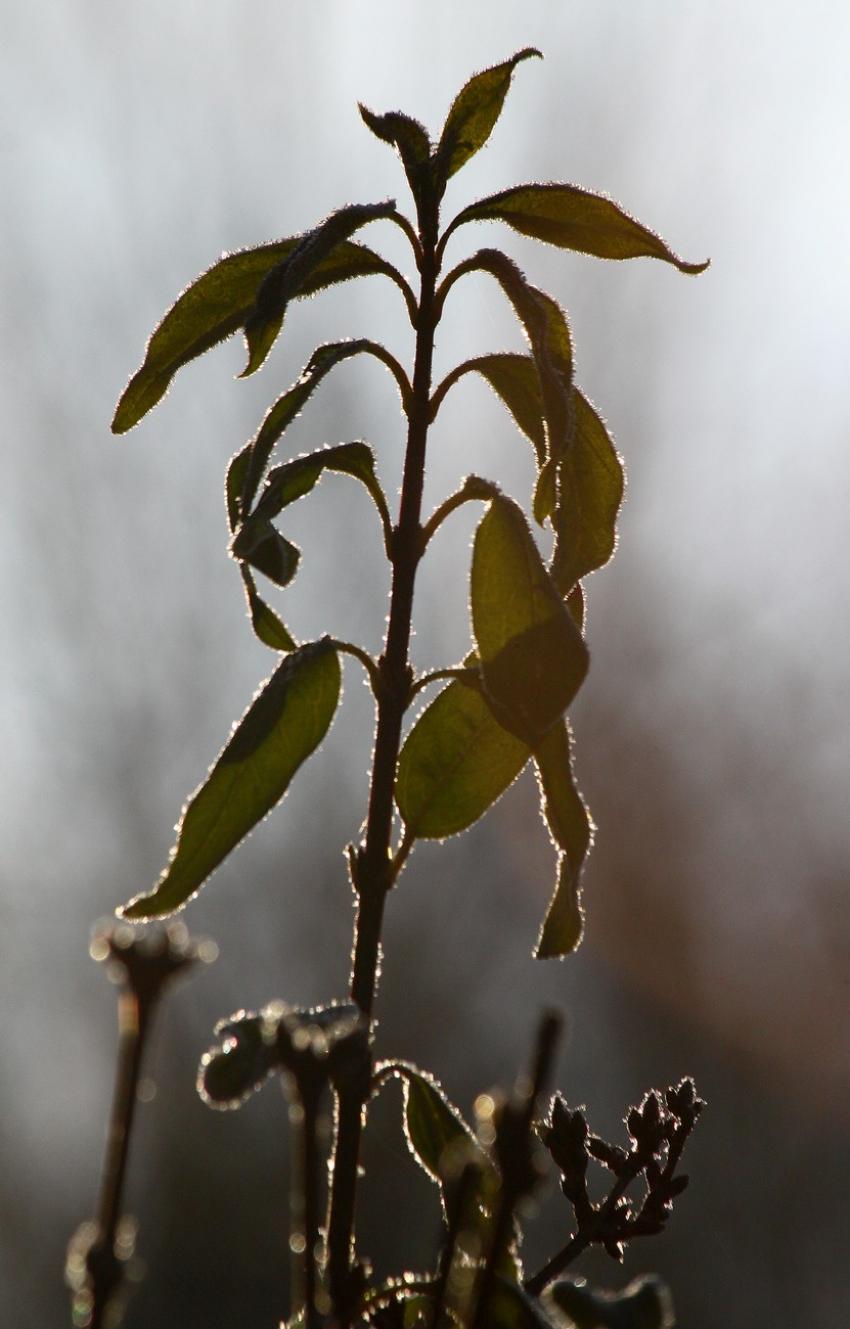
693, 269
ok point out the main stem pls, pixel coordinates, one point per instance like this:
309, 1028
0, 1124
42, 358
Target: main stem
373, 867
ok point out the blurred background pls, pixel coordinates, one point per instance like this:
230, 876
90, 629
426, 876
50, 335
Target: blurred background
139, 141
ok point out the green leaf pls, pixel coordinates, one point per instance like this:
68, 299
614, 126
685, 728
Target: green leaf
434, 1128
590, 483
533, 658
473, 114
217, 304
289, 277
456, 762
249, 466
287, 720
241, 1063
258, 543
413, 144
515, 380
234, 485
571, 829
573, 218
296, 478
265, 622
546, 328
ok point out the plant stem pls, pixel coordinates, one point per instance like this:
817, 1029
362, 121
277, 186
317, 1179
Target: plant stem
373, 875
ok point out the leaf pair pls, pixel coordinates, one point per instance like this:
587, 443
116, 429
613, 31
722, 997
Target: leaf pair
471, 743
468, 126
250, 289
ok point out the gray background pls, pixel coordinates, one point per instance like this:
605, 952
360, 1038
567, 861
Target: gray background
138, 141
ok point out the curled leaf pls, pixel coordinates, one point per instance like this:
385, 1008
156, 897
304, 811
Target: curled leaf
258, 543
296, 478
285, 723
244, 1058
413, 145
248, 467
290, 276
217, 304
573, 218
571, 829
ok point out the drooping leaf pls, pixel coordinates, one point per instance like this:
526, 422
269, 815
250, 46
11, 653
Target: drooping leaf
296, 478
573, 218
234, 484
249, 466
287, 720
533, 658
411, 140
515, 380
571, 829
258, 543
545, 326
265, 622
456, 762
473, 114
290, 276
590, 485
217, 304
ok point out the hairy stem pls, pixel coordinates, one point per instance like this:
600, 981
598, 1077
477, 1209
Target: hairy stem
373, 868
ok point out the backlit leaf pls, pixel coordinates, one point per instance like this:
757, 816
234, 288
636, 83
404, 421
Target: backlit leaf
546, 328
413, 144
515, 380
217, 304
433, 1126
533, 658
265, 622
456, 762
249, 466
242, 1061
258, 543
289, 278
287, 720
296, 478
571, 829
590, 491
473, 114
573, 218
